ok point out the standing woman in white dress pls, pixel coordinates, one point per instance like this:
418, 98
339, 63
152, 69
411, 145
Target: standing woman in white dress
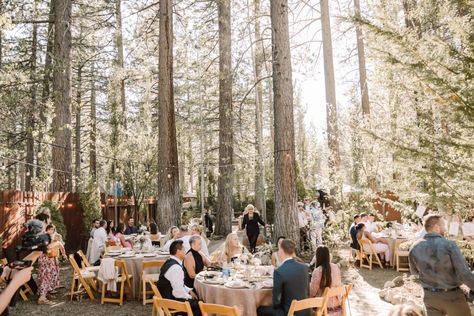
98, 243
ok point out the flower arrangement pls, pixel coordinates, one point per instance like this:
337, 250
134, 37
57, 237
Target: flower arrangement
246, 258
140, 239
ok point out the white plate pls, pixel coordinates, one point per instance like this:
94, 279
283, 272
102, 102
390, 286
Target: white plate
232, 285
149, 255
126, 256
213, 281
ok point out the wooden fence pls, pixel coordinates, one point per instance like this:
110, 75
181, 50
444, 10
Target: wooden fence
18, 207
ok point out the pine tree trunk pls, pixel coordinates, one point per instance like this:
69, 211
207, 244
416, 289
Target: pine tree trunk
1, 36
259, 159
93, 130
42, 154
30, 144
331, 105
47, 66
286, 220
61, 152
77, 162
364, 90
226, 150
168, 175
120, 64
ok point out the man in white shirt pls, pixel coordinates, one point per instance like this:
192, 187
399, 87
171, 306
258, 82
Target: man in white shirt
98, 242
370, 226
171, 281
185, 235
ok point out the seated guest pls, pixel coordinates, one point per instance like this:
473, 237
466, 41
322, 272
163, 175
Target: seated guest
111, 233
364, 218
185, 235
290, 282
325, 275
379, 244
171, 281
195, 261
276, 261
196, 230
370, 225
232, 249
173, 234
353, 232
119, 236
154, 235
131, 228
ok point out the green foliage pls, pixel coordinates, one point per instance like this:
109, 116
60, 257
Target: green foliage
90, 203
56, 217
300, 188
270, 208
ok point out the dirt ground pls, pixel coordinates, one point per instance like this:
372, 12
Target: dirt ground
364, 299
84, 307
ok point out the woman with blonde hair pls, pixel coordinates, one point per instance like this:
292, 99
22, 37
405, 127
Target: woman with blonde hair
196, 230
250, 223
172, 235
232, 248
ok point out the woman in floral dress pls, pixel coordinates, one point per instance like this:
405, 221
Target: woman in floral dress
48, 270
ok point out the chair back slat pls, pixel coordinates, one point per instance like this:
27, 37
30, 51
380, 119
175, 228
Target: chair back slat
313, 302
341, 292
152, 264
166, 306
217, 309
74, 264
155, 290
84, 260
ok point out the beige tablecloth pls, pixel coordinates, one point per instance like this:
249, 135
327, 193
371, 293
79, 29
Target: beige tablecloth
391, 245
247, 300
134, 267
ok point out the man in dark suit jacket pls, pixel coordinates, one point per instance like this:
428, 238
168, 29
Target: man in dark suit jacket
290, 282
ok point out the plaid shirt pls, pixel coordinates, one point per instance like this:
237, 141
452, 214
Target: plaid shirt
439, 263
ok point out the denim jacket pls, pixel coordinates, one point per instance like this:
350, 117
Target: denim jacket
439, 263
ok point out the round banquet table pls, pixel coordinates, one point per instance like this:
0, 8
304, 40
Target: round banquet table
391, 241
134, 267
247, 300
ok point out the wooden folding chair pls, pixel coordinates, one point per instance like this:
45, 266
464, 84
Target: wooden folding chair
156, 293
368, 256
341, 292
216, 309
165, 307
146, 277
309, 303
400, 253
110, 243
24, 291
81, 277
123, 279
85, 263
